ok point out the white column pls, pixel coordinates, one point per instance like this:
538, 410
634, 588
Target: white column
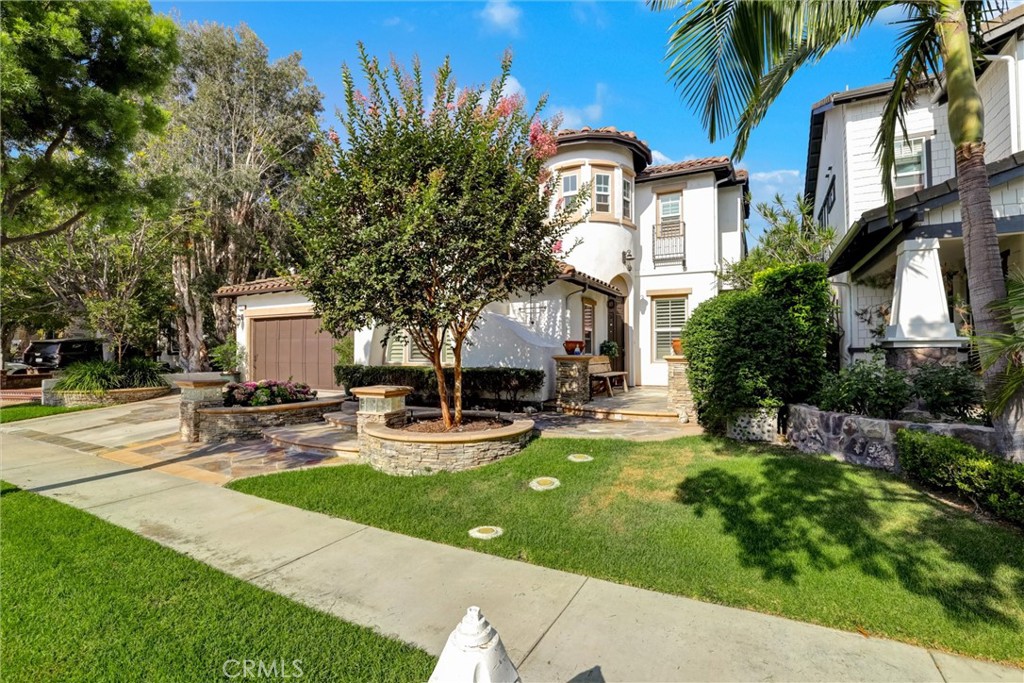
920, 314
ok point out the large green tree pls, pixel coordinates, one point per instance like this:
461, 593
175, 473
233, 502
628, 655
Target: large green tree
732, 58
429, 210
238, 138
78, 82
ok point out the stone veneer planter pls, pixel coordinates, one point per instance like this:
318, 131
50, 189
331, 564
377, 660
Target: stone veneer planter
756, 424
216, 424
113, 397
397, 451
868, 441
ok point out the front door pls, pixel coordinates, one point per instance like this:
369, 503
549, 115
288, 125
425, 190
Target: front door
617, 330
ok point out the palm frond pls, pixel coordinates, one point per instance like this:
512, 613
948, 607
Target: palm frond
731, 58
919, 62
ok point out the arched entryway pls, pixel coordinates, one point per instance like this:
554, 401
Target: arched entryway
618, 325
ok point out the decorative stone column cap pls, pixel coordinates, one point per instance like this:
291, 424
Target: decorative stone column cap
380, 391
954, 342
676, 359
573, 357
199, 383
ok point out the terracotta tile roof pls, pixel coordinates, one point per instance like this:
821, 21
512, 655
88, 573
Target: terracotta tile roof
569, 272
265, 286
611, 133
684, 167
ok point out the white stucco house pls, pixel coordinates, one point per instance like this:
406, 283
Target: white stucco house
902, 284
648, 252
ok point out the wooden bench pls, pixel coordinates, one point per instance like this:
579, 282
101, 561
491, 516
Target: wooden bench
600, 368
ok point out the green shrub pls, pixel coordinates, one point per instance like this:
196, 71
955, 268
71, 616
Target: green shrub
949, 464
865, 388
94, 376
499, 387
737, 346
951, 390
804, 293
228, 357
97, 376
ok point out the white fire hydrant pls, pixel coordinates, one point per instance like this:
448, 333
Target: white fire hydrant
474, 653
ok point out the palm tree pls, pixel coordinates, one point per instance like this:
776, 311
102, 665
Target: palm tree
732, 58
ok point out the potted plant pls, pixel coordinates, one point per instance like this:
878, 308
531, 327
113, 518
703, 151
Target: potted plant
677, 346
229, 358
610, 348
573, 347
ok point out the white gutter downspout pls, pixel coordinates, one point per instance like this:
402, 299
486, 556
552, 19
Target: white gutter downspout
848, 336
718, 235
1011, 72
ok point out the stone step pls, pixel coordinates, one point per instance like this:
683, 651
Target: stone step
341, 421
315, 438
621, 414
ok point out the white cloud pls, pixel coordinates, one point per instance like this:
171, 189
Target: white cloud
513, 87
589, 12
764, 185
574, 117
659, 157
397, 22
501, 15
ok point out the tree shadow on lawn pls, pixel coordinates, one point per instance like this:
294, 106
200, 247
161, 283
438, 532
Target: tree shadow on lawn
804, 511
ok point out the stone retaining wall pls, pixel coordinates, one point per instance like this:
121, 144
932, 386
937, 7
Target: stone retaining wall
868, 441
397, 451
25, 381
114, 397
572, 380
217, 424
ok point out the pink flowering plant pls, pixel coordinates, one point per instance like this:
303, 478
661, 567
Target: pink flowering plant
425, 207
266, 392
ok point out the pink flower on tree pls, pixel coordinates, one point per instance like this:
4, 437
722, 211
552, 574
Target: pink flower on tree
542, 141
450, 106
333, 137
556, 248
508, 105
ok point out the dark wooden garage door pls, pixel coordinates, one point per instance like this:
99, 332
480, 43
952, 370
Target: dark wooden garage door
292, 348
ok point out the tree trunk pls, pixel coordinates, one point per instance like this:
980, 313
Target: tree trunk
224, 317
193, 353
7, 330
981, 243
442, 387
457, 372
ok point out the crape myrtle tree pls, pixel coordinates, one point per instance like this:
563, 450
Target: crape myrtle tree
732, 58
431, 209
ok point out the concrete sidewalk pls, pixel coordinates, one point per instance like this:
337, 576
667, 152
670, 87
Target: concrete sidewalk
557, 626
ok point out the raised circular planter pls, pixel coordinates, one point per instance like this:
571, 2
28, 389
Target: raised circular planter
398, 451
112, 397
216, 424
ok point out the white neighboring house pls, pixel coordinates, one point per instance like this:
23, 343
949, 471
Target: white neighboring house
901, 283
647, 254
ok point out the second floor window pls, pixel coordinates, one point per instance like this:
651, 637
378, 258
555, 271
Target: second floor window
603, 192
670, 215
627, 198
909, 171
570, 186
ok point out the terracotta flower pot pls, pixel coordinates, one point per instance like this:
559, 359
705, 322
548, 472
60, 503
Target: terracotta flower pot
573, 347
677, 347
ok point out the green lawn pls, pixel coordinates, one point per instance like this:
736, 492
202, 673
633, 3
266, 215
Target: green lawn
84, 600
767, 529
26, 411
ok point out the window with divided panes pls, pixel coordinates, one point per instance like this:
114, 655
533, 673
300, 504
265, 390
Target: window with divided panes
401, 350
588, 326
670, 214
669, 319
602, 192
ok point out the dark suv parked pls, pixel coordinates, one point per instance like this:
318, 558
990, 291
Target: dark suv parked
53, 354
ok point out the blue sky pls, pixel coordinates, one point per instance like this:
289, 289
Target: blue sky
600, 63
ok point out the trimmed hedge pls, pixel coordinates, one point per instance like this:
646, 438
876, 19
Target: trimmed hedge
484, 386
868, 388
737, 345
804, 293
949, 464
